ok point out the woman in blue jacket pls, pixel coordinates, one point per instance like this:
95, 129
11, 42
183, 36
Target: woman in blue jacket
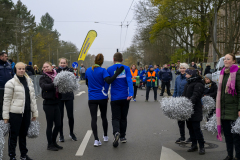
180, 83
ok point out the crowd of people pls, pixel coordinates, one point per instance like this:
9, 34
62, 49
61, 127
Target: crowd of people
18, 105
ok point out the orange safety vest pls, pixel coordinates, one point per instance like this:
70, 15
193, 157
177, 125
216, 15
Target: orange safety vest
153, 75
134, 74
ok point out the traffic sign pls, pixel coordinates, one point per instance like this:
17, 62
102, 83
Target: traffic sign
74, 64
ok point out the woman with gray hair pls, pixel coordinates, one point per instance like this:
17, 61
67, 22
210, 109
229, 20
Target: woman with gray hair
180, 83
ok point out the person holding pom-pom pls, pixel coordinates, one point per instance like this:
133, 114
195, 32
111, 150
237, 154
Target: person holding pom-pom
228, 104
18, 107
194, 90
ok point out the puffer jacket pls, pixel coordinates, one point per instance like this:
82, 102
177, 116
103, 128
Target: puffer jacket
194, 91
230, 105
180, 83
14, 97
69, 95
6, 73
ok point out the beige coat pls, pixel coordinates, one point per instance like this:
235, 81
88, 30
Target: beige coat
14, 97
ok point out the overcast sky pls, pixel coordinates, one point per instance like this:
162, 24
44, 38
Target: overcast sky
69, 14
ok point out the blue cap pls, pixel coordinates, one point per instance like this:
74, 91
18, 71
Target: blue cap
150, 66
30, 63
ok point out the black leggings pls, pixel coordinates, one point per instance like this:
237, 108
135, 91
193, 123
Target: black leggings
93, 106
135, 90
69, 108
52, 116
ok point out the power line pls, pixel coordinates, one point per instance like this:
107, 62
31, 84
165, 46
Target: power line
125, 37
121, 36
128, 11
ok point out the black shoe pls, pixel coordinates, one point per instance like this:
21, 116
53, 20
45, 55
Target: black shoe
189, 140
180, 140
170, 94
72, 135
235, 159
193, 149
25, 158
61, 139
202, 151
228, 158
13, 158
52, 148
57, 146
116, 139
123, 140
161, 94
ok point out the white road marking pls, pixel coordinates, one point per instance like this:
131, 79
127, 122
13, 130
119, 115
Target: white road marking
98, 112
168, 154
84, 143
79, 94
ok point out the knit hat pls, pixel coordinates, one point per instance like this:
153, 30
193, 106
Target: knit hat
209, 76
30, 63
184, 65
150, 66
191, 72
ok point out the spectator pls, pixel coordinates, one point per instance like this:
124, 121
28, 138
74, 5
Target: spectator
194, 65
178, 64
82, 72
151, 79
54, 66
29, 69
134, 73
207, 69
12, 63
173, 67
6, 73
20, 90
165, 77
36, 70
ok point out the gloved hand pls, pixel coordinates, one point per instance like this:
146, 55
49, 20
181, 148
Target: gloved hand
119, 70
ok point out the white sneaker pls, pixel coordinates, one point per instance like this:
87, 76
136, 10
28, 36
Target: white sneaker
105, 138
97, 143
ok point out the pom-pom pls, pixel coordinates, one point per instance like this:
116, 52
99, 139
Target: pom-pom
236, 126
2, 141
208, 105
33, 130
66, 82
4, 127
211, 125
179, 108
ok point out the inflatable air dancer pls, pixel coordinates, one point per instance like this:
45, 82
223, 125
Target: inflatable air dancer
121, 94
50, 97
19, 89
97, 80
152, 82
135, 80
67, 100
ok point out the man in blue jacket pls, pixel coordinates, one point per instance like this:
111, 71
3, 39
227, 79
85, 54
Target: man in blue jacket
6, 73
165, 76
121, 94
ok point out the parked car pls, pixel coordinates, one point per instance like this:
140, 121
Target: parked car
219, 66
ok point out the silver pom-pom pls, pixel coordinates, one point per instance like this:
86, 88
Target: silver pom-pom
5, 127
208, 105
211, 125
236, 126
66, 82
33, 130
2, 141
179, 108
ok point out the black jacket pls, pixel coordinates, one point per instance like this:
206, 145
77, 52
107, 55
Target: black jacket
48, 90
30, 70
194, 91
212, 92
69, 95
207, 70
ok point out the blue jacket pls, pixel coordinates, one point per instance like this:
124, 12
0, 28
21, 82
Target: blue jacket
13, 65
157, 72
165, 75
141, 73
6, 73
180, 83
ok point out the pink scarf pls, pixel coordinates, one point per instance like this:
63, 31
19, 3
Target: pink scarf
52, 74
230, 89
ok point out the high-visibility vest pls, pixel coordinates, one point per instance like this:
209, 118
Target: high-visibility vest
153, 75
134, 74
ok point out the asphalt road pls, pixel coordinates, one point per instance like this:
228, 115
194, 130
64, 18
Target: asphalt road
150, 135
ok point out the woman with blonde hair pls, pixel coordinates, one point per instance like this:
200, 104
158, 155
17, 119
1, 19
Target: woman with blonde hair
36, 70
18, 107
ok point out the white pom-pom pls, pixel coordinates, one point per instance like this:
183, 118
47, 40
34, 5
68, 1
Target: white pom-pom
236, 126
2, 141
33, 130
4, 127
211, 125
208, 105
66, 82
179, 108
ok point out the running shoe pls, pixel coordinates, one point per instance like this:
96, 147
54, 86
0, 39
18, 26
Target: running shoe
26, 158
61, 139
105, 138
13, 158
116, 139
97, 143
72, 135
123, 140
134, 100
